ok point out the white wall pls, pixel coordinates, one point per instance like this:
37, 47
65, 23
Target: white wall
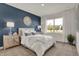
69, 23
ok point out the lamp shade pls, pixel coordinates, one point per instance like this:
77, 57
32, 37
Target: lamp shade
10, 24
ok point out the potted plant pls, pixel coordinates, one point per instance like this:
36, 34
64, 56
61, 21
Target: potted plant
70, 39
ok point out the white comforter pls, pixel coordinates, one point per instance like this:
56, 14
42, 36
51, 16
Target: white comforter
38, 43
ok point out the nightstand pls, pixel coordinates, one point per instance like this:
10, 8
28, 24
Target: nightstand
10, 41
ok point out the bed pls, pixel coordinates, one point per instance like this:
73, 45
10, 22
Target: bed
39, 43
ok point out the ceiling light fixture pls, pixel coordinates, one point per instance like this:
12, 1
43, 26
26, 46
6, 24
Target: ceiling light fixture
42, 4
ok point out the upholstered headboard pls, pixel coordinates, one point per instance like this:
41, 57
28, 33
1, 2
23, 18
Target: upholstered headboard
22, 31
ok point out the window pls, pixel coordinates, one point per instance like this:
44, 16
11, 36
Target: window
55, 25
50, 24
59, 25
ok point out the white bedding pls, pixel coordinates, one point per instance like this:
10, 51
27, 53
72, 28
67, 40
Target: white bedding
38, 43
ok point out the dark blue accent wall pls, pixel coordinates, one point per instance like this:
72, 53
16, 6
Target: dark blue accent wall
9, 13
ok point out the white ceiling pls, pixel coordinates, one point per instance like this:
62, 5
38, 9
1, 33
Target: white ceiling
49, 8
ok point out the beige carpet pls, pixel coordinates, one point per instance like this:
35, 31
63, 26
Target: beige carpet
60, 49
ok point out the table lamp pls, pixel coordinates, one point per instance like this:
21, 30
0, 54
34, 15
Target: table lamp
10, 25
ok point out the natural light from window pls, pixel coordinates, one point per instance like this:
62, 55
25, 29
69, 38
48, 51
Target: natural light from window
59, 21
50, 22
55, 25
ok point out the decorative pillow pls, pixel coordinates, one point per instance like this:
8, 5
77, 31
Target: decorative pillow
15, 34
26, 34
33, 33
15, 37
